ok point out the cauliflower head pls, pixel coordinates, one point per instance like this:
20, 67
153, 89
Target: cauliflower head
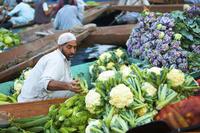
176, 77
93, 123
142, 111
155, 70
106, 75
119, 53
149, 89
121, 96
125, 70
105, 55
110, 65
92, 100
18, 85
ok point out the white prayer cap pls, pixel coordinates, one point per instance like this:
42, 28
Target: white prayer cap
66, 37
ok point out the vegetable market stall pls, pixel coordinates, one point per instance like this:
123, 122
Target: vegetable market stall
145, 84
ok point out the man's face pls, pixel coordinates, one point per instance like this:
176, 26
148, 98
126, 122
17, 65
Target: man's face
69, 49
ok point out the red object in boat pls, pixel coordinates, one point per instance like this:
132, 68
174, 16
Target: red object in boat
182, 114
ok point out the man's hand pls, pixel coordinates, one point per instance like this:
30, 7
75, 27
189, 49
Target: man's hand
74, 86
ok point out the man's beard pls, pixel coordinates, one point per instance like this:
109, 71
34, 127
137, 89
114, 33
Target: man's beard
68, 57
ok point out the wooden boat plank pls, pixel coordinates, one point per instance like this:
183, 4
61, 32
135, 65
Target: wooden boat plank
13, 71
117, 35
29, 34
94, 13
154, 8
28, 109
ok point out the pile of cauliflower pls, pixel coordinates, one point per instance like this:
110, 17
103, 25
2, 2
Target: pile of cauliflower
129, 96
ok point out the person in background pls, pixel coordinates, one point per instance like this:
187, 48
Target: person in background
10, 4
68, 17
61, 4
51, 76
80, 3
20, 15
42, 12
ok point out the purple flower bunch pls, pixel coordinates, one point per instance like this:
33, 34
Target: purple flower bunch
153, 39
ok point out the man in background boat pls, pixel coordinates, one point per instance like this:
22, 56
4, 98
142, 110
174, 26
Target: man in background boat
22, 14
51, 76
42, 12
80, 3
68, 17
130, 17
9, 4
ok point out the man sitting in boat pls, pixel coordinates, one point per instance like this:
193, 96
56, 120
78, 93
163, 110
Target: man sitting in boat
42, 12
22, 14
68, 16
51, 76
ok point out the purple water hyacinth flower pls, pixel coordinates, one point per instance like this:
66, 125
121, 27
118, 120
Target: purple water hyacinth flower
156, 33
179, 60
164, 62
156, 63
159, 58
175, 44
129, 49
141, 24
167, 39
165, 20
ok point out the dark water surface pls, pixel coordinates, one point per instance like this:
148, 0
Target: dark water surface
91, 53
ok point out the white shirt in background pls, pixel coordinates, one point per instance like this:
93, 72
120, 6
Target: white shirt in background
24, 12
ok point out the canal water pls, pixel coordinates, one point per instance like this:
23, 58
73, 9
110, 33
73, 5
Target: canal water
91, 53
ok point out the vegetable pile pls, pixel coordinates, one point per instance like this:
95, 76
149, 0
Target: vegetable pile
70, 116
8, 39
121, 101
18, 83
168, 39
26, 125
123, 96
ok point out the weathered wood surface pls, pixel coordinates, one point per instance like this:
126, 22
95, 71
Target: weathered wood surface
29, 34
94, 13
25, 110
154, 8
24, 56
117, 35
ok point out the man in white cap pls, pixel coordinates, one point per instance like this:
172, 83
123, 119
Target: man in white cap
51, 76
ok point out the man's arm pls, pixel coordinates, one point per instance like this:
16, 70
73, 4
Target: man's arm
58, 85
14, 11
